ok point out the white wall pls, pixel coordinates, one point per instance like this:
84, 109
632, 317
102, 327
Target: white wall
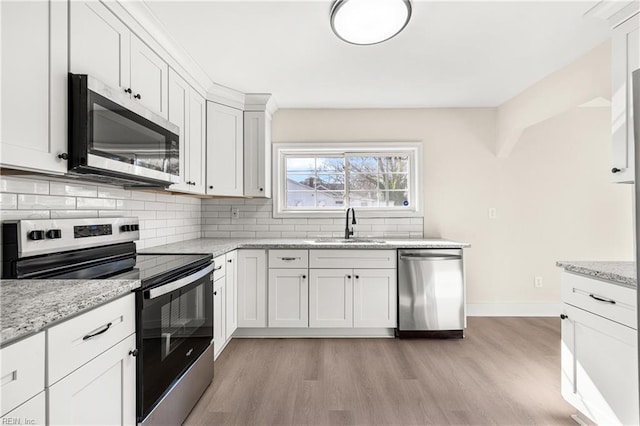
164, 218
552, 193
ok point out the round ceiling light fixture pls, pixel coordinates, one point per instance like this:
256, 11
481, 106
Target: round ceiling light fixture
369, 21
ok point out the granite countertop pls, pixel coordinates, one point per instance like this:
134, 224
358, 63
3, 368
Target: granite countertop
219, 246
621, 273
28, 306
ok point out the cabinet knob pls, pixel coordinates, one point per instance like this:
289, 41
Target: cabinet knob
63, 156
133, 352
215, 293
563, 316
357, 277
210, 186
349, 276
304, 277
137, 96
261, 189
230, 260
127, 90
615, 170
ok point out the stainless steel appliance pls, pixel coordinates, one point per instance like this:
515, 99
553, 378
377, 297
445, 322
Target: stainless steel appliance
174, 304
431, 293
114, 139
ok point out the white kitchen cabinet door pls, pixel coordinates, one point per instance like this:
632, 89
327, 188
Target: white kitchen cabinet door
374, 298
219, 316
179, 115
149, 78
34, 85
102, 392
625, 58
288, 298
231, 293
197, 136
99, 43
600, 367
33, 412
22, 369
224, 150
252, 288
330, 298
257, 154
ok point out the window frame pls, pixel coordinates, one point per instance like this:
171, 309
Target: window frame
316, 149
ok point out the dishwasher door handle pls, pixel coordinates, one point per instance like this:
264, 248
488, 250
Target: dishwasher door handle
429, 257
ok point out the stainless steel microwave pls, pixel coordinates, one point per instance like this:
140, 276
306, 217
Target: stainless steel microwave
113, 139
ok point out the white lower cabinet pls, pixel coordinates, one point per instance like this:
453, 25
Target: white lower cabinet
231, 293
32, 412
219, 316
599, 358
252, 288
101, 392
331, 298
288, 298
374, 298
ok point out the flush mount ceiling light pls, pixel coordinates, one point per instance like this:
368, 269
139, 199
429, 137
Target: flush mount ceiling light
369, 21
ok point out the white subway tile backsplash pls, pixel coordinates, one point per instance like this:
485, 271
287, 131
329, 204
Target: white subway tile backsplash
45, 202
24, 214
152, 205
23, 185
8, 201
242, 234
143, 196
96, 203
115, 213
73, 189
112, 192
69, 214
130, 205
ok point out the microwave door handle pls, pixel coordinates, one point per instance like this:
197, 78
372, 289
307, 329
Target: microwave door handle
182, 282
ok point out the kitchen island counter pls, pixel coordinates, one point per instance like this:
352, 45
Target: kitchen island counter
620, 273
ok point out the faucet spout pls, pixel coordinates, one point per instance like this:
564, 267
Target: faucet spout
348, 231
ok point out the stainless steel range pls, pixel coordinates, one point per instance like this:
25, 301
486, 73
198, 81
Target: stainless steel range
174, 305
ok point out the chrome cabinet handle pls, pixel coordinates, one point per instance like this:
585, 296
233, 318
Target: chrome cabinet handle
600, 299
104, 330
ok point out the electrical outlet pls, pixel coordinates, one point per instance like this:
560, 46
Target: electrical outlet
492, 213
235, 212
537, 282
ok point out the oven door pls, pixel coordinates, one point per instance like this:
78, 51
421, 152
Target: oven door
175, 326
110, 134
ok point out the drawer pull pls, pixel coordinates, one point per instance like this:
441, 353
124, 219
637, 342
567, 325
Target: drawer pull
289, 259
11, 377
613, 302
104, 330
218, 268
563, 316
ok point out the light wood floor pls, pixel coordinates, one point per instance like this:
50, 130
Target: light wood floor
506, 371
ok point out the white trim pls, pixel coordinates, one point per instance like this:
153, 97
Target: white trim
260, 102
280, 149
313, 332
513, 309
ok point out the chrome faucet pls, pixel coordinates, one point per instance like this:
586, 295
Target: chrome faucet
348, 232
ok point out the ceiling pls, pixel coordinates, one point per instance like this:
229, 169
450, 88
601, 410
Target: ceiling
452, 53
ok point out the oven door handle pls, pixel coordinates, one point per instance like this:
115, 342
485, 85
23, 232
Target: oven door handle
182, 282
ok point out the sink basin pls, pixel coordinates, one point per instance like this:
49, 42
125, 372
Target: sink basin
345, 241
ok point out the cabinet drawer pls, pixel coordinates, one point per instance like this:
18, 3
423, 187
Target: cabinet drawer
602, 298
288, 258
71, 345
22, 374
219, 262
348, 258
34, 410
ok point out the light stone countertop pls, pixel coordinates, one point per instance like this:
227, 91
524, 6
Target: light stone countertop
621, 273
28, 306
219, 246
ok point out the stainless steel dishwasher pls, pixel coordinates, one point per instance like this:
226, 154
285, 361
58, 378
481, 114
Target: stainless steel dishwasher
431, 298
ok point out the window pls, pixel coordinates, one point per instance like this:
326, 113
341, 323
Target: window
370, 177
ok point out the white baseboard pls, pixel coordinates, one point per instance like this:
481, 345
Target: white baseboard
313, 332
506, 309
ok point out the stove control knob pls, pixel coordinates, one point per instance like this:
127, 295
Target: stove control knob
125, 228
135, 227
54, 234
36, 235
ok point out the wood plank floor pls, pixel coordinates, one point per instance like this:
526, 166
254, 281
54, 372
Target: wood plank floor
506, 371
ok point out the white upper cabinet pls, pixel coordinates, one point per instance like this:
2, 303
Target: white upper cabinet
625, 58
34, 85
103, 47
187, 111
149, 77
257, 154
224, 150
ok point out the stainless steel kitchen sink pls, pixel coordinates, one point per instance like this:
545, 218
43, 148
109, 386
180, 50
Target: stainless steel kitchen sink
345, 241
